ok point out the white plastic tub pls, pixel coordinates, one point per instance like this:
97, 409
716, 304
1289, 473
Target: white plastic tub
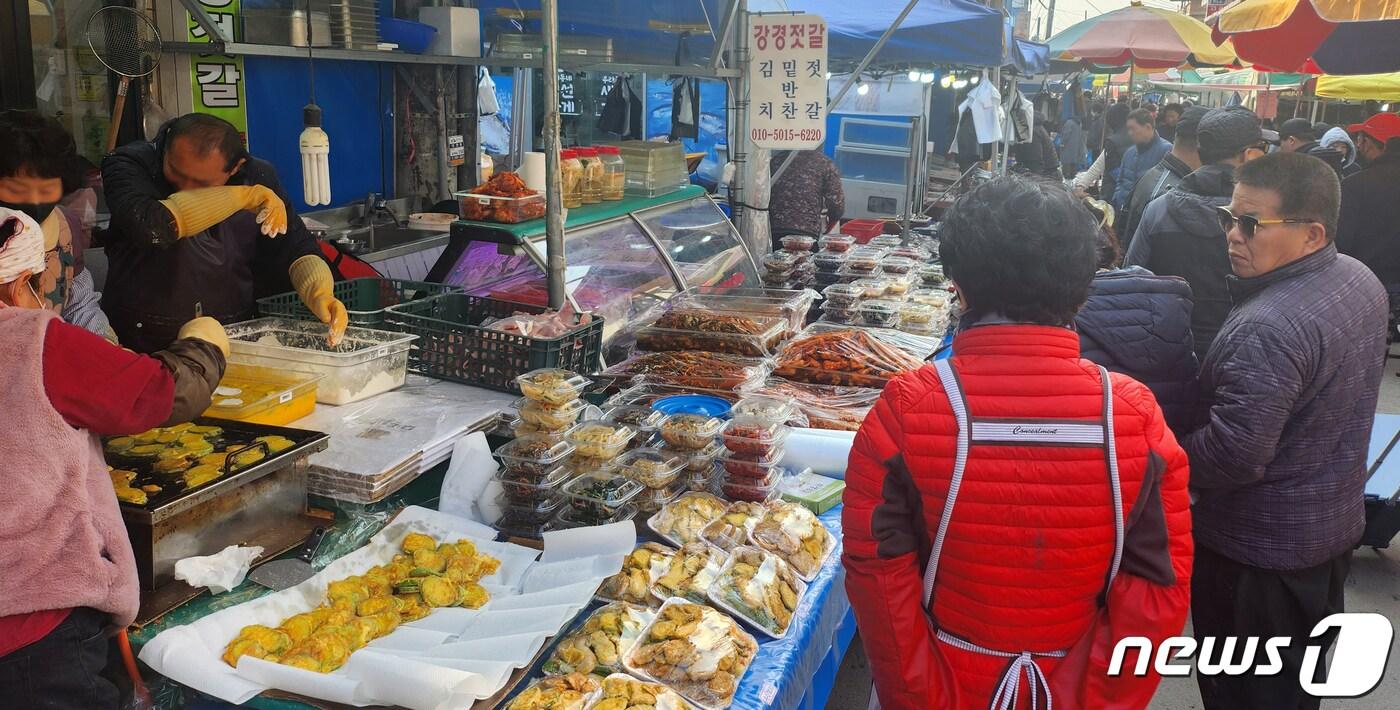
365, 363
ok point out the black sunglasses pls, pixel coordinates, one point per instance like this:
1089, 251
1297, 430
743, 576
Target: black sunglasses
1248, 224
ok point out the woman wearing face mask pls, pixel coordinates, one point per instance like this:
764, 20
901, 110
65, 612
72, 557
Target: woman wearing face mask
38, 167
68, 572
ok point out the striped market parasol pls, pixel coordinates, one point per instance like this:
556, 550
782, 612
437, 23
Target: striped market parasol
1146, 37
1315, 36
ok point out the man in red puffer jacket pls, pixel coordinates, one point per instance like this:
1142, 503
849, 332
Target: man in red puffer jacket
998, 543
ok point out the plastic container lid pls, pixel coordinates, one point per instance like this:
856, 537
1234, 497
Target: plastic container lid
752, 467
705, 404
837, 242
645, 420
568, 518
754, 436
521, 485
552, 385
886, 240
753, 490
586, 152
604, 489
898, 286
537, 452
567, 154
881, 312
599, 438
798, 242
779, 262
844, 294
698, 460
918, 254
550, 416
690, 431
654, 499
653, 468
829, 260
765, 408
931, 296
897, 264
872, 288
537, 512
918, 313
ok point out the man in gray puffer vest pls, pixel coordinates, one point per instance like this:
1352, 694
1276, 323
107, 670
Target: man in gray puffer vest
1180, 235
1278, 471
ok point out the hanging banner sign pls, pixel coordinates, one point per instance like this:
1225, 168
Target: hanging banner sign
787, 81
216, 80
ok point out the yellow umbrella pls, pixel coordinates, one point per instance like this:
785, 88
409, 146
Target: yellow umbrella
1375, 87
1314, 36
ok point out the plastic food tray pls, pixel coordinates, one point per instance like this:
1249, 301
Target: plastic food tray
365, 363
830, 541
716, 592
640, 672
264, 395
789, 304
503, 210
761, 344
453, 344
366, 300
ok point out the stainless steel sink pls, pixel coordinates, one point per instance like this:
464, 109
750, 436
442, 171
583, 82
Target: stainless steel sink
379, 237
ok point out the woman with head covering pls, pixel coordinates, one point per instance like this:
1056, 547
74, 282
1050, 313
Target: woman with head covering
69, 570
1337, 139
1013, 512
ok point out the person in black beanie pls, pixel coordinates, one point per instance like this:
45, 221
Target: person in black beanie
1180, 233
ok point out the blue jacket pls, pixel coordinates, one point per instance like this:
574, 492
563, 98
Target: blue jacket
1138, 323
1136, 162
1290, 388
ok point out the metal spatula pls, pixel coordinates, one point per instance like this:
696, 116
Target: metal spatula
281, 574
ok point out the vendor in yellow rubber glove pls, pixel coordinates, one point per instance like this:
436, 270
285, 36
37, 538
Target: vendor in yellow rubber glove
201, 228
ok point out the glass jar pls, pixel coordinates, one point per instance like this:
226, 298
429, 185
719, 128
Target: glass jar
592, 175
571, 178
614, 172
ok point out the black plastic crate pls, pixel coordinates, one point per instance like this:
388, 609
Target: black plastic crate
453, 345
365, 299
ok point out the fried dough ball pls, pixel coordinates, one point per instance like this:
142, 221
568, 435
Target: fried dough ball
414, 542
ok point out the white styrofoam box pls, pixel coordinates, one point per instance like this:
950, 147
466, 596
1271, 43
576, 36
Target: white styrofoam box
458, 30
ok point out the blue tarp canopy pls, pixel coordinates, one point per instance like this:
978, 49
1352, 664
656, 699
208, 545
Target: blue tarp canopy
1024, 56
935, 32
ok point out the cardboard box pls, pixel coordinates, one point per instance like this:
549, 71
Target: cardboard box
458, 30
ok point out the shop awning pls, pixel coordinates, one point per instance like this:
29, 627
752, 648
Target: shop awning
935, 32
1024, 56
1231, 81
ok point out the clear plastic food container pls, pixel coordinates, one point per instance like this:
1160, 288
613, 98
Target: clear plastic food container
897, 264
880, 314
898, 287
514, 524
837, 242
260, 395
653, 468
779, 262
550, 417
841, 315
570, 517
690, 431
919, 255
552, 385
754, 437
753, 490
537, 454
931, 296
600, 439
770, 333
918, 314
700, 461
765, 408
365, 363
654, 499
524, 488
600, 495
829, 262
863, 262
531, 512
873, 288
798, 242
644, 419
886, 241
747, 466
844, 294
928, 330
931, 275
503, 210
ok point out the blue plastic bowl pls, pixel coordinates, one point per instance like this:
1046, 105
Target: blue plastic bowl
412, 37
692, 404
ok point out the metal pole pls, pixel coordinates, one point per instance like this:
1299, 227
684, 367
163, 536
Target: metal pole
440, 123
725, 26
1050, 20
854, 76
739, 149
554, 188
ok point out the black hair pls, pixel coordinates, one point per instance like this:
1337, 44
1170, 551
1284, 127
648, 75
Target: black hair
209, 133
34, 144
1306, 186
1117, 117
1176, 108
1021, 248
1141, 116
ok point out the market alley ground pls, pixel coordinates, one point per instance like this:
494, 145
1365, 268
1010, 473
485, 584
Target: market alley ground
1374, 585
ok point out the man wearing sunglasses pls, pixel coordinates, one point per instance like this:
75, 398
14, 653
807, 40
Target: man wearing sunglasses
1290, 385
1179, 234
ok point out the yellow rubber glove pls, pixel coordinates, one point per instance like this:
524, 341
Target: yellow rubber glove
208, 330
198, 210
313, 281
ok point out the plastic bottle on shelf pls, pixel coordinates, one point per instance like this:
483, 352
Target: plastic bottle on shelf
592, 175
614, 172
571, 178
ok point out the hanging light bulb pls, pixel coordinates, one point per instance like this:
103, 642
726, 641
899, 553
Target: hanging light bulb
315, 158
960, 83
913, 75
926, 77
828, 76
946, 81
863, 89
975, 78
1385, 107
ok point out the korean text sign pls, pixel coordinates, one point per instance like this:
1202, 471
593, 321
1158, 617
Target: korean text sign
787, 81
216, 80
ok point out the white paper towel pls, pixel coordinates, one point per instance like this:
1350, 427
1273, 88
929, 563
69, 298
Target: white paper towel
824, 450
467, 478
532, 171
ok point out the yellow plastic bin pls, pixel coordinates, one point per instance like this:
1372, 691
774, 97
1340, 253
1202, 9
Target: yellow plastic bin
262, 395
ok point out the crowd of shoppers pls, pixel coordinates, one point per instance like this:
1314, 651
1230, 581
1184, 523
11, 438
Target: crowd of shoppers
1237, 348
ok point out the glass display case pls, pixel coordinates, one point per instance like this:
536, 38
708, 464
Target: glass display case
623, 258
880, 160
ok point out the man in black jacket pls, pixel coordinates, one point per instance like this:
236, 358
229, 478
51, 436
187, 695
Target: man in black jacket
1180, 233
1183, 159
201, 228
1369, 227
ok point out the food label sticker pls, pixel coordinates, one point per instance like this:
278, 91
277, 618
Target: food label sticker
768, 693
285, 397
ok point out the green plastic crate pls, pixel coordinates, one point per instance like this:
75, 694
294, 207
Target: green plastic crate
365, 299
453, 345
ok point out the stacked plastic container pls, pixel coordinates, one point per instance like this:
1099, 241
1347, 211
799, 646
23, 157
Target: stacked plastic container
552, 402
754, 444
536, 464
653, 168
693, 437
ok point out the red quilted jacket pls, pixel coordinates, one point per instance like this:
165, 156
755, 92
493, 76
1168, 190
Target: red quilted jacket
1031, 538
